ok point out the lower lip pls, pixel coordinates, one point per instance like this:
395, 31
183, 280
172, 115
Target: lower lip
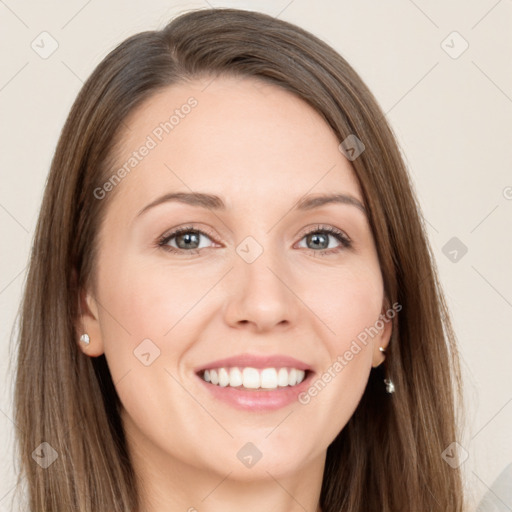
258, 400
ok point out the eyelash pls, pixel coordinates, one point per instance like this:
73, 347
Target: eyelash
346, 243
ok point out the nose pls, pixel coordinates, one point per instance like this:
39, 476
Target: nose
260, 295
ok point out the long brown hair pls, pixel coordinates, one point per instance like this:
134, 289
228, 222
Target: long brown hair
388, 457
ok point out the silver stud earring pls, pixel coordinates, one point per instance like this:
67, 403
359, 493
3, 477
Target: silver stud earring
85, 339
390, 387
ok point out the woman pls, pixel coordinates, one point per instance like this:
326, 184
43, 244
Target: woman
231, 301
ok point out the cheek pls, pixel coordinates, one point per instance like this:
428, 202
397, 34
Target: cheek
150, 309
145, 337
149, 300
349, 304
347, 301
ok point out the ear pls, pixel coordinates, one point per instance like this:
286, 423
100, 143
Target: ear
88, 323
384, 336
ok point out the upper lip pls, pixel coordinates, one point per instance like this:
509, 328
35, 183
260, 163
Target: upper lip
256, 361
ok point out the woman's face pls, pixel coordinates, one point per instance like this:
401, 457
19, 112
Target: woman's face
254, 277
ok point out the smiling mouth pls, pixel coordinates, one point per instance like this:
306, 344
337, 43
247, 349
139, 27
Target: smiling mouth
254, 379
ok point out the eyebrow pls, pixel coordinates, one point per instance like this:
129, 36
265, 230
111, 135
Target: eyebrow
213, 202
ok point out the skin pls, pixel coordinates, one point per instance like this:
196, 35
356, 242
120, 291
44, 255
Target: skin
260, 149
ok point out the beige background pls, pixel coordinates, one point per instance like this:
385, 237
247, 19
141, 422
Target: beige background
451, 112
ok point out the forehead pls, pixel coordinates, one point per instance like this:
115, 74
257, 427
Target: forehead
242, 139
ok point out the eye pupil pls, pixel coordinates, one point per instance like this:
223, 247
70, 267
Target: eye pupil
188, 237
314, 237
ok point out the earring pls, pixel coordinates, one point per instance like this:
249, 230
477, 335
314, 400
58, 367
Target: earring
390, 387
85, 339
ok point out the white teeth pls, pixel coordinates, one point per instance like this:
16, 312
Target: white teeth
282, 377
253, 378
235, 377
269, 378
223, 377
